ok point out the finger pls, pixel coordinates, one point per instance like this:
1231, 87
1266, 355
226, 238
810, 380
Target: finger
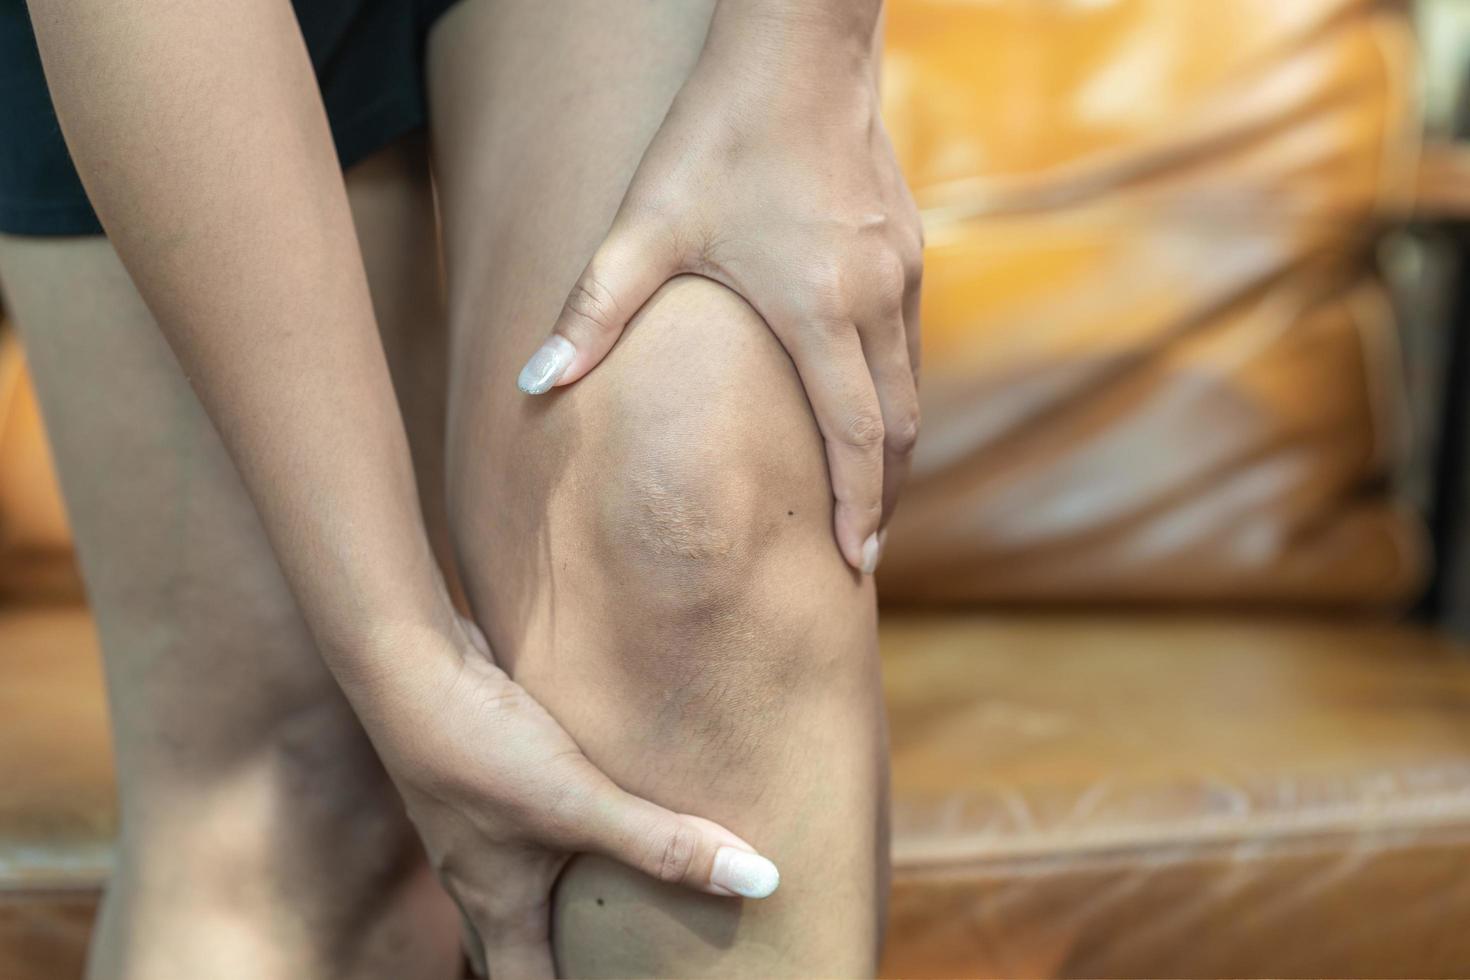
626, 270
912, 298
839, 385
678, 848
896, 470
887, 348
914, 339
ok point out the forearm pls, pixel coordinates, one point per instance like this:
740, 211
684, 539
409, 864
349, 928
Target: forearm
205, 150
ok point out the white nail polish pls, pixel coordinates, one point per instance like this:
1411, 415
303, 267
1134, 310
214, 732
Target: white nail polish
746, 874
870, 554
546, 366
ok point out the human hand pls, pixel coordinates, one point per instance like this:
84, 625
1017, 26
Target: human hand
502, 797
772, 174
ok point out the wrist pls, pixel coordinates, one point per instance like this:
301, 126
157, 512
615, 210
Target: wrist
786, 38
384, 647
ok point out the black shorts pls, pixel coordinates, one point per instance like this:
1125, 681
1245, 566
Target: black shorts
369, 62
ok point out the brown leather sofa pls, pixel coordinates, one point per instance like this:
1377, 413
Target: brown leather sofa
1154, 712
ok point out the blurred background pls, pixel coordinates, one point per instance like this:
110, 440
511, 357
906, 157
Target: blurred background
1177, 606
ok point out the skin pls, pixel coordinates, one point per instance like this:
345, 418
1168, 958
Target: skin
679, 633
652, 546
818, 233
258, 827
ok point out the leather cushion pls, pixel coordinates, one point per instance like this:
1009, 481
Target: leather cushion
31, 515
57, 791
1158, 365
1177, 796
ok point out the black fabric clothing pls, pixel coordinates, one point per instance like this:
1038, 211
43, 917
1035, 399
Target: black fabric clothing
369, 62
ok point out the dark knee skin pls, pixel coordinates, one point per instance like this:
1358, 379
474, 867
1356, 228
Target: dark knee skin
661, 572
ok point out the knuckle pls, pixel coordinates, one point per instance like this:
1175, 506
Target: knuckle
676, 856
903, 434
591, 301
864, 430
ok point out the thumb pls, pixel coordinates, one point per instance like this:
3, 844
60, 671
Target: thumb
626, 270
680, 849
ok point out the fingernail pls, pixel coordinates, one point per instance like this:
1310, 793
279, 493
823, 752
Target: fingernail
870, 554
746, 874
546, 366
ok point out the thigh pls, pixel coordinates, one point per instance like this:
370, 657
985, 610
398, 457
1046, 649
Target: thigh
540, 113
238, 758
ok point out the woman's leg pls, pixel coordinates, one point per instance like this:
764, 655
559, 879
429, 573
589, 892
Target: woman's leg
651, 549
260, 837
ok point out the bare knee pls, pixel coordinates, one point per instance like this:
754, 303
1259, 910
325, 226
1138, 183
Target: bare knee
737, 676
651, 549
711, 455
664, 523
708, 500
